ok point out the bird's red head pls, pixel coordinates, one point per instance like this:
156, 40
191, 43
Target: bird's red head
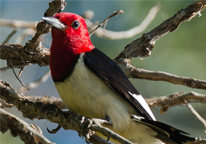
73, 35
70, 38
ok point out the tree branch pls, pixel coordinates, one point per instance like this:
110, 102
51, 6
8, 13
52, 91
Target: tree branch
34, 53
18, 23
106, 20
33, 46
20, 58
10, 35
165, 102
35, 83
32, 108
68, 120
47, 100
17, 77
29, 133
197, 115
133, 72
142, 47
112, 35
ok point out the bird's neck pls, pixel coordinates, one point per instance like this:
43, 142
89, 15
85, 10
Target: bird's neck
65, 54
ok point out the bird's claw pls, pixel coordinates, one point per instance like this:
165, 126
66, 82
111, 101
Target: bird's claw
85, 128
100, 122
53, 131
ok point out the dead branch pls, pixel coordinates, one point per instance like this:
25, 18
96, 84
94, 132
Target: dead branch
112, 35
100, 32
18, 24
198, 116
106, 20
35, 83
51, 112
34, 53
31, 108
133, 72
33, 50
47, 100
20, 59
165, 102
33, 46
29, 133
142, 47
25, 33
17, 77
10, 35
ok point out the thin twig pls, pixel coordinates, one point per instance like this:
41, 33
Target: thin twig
17, 76
106, 20
10, 35
201, 119
20, 72
17, 66
18, 23
35, 83
25, 33
115, 35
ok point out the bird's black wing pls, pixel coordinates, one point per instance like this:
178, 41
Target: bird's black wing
105, 68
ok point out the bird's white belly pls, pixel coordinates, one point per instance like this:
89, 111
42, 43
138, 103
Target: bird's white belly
87, 94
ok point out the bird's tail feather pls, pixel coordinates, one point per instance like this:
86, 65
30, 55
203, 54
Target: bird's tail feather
165, 133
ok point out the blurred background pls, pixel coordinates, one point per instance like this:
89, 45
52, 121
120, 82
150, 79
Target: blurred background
182, 53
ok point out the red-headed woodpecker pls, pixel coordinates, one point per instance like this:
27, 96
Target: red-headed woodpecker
91, 84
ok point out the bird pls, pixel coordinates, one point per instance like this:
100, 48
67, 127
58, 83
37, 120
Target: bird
91, 84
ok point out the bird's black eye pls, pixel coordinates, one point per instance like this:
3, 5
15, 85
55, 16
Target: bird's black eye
75, 24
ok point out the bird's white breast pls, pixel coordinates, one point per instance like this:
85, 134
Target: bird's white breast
87, 94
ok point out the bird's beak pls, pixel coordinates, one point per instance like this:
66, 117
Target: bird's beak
54, 23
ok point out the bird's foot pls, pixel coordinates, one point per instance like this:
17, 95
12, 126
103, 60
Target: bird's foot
85, 130
87, 123
100, 122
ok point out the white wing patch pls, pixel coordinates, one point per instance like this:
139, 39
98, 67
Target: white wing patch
141, 100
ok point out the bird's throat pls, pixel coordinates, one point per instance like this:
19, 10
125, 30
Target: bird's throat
65, 52
62, 64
